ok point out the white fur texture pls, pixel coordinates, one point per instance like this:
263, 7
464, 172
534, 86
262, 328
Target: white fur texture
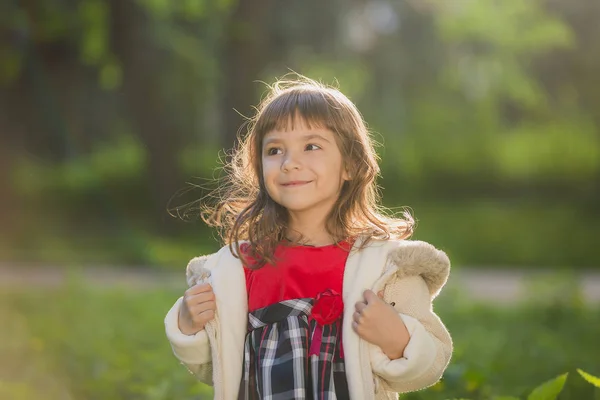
196, 272
413, 257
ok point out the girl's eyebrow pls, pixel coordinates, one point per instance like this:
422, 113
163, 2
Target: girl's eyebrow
310, 136
315, 136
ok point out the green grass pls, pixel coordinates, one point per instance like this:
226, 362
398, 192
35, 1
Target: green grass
108, 344
91, 344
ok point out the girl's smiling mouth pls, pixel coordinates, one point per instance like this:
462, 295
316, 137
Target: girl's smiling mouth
295, 183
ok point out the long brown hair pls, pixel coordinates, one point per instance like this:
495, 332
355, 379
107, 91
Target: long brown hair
242, 209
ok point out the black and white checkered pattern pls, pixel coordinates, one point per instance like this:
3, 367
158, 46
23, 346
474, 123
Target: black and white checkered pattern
277, 365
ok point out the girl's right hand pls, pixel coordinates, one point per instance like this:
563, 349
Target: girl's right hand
197, 308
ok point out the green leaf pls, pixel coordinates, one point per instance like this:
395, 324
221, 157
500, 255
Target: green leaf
549, 390
111, 75
506, 398
594, 380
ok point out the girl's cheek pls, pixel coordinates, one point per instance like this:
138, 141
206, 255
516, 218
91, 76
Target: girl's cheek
268, 165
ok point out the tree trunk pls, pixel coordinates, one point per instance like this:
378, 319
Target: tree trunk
246, 54
144, 71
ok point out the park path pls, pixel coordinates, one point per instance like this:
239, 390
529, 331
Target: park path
491, 285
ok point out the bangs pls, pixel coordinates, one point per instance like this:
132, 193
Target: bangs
299, 106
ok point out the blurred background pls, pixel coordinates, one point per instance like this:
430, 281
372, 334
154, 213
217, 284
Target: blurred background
113, 113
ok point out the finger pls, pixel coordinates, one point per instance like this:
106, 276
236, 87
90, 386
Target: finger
192, 302
380, 294
208, 315
369, 296
199, 288
202, 318
357, 318
360, 306
200, 298
203, 307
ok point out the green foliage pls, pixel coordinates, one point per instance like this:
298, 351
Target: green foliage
495, 37
590, 378
507, 233
118, 161
93, 15
352, 79
549, 390
506, 351
530, 151
90, 343
487, 111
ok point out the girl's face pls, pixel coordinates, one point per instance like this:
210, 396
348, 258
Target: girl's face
303, 169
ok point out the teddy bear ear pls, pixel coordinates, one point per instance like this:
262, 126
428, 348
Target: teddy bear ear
413, 257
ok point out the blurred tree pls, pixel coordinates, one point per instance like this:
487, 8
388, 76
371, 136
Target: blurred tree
246, 53
75, 71
143, 64
111, 105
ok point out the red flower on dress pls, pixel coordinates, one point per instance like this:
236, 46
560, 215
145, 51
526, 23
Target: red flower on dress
328, 307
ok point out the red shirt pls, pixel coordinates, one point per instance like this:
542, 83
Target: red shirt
299, 272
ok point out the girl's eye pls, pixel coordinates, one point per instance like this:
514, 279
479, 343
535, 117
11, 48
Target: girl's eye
273, 151
312, 147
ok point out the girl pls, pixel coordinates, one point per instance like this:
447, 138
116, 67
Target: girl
317, 295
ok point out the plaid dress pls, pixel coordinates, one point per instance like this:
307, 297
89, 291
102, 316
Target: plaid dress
289, 355
293, 348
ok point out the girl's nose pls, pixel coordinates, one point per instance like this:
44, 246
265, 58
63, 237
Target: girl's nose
290, 162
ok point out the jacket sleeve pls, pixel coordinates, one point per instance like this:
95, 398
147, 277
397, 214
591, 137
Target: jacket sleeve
430, 346
193, 351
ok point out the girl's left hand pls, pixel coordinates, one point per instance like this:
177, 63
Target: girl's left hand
379, 323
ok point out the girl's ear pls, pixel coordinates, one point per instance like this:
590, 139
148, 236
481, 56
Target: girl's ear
346, 175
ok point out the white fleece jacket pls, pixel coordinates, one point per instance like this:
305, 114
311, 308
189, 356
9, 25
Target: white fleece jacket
411, 273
